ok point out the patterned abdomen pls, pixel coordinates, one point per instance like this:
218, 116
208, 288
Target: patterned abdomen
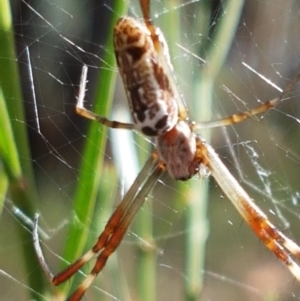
151, 100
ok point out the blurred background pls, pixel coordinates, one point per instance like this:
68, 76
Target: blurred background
208, 53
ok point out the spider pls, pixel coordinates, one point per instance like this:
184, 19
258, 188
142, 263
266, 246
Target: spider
158, 111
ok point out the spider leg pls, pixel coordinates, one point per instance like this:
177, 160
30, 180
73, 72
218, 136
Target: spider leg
145, 7
240, 117
118, 229
274, 240
81, 110
38, 249
114, 230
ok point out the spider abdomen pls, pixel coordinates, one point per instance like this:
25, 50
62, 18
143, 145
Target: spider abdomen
151, 99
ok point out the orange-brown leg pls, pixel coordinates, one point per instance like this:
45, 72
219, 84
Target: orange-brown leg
114, 230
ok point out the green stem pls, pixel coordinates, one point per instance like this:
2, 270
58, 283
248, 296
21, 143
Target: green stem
197, 226
14, 148
90, 176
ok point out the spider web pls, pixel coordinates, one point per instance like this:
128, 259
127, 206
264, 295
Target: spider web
262, 153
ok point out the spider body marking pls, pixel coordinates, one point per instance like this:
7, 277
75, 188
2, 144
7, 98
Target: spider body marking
151, 99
